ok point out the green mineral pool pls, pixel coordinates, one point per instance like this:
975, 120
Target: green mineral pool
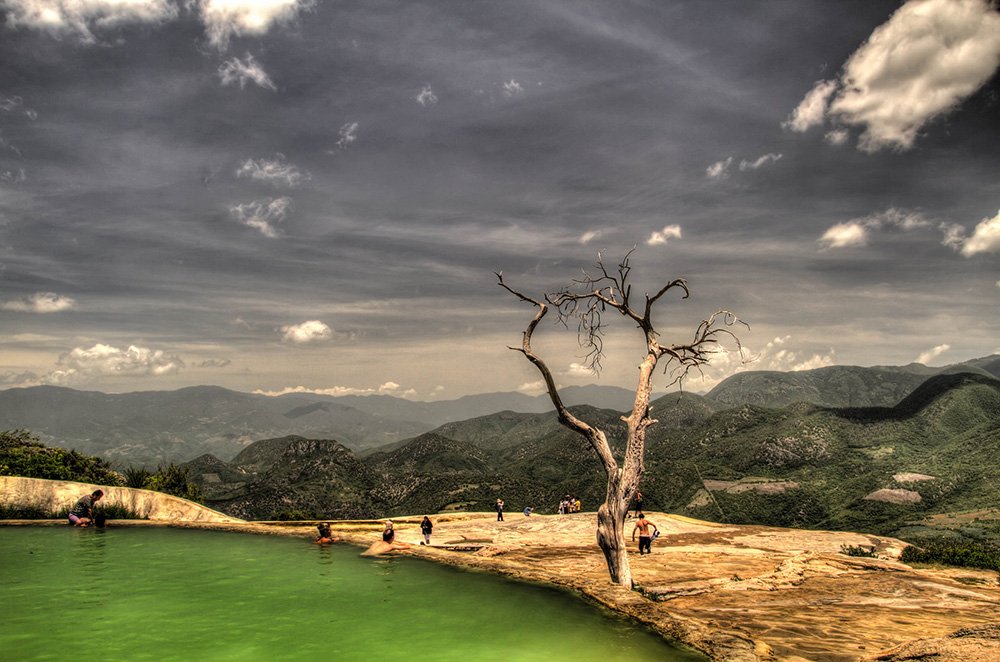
170, 594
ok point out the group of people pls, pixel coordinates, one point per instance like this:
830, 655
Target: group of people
83, 514
569, 504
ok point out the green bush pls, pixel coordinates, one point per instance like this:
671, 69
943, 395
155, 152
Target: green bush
954, 551
859, 550
137, 477
172, 479
21, 454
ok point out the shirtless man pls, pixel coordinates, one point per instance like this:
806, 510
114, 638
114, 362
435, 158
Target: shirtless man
645, 538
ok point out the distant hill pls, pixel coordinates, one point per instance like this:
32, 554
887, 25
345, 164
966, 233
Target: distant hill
154, 427
289, 478
838, 386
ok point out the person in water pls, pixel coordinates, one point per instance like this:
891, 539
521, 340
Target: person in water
388, 533
82, 513
645, 538
426, 527
325, 534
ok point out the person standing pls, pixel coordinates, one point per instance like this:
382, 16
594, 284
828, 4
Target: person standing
426, 527
645, 537
638, 503
500, 505
82, 513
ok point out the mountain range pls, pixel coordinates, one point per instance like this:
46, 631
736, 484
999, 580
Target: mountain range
877, 449
155, 427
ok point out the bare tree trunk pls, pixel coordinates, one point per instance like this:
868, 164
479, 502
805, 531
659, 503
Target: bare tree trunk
611, 539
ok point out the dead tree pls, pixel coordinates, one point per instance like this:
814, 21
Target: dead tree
585, 303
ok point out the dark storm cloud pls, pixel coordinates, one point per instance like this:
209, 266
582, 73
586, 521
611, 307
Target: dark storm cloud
155, 157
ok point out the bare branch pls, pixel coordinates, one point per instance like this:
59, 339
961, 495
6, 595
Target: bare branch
596, 437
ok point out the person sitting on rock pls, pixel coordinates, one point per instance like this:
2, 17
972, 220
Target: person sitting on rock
82, 513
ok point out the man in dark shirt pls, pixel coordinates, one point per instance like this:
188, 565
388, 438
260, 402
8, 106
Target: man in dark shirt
82, 513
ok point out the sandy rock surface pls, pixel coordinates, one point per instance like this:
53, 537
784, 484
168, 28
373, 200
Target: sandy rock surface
737, 592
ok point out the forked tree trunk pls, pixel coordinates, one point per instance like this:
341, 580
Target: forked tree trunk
611, 540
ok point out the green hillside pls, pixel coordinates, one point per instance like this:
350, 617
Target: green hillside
839, 386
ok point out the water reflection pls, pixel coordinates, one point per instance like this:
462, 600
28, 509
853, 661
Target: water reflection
91, 572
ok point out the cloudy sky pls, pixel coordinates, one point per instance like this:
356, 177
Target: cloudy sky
278, 194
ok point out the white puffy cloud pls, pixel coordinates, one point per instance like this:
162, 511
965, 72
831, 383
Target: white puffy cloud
388, 388
225, 19
262, 215
921, 63
661, 237
512, 88
348, 134
842, 235
426, 96
238, 72
274, 171
83, 364
759, 162
985, 237
812, 109
719, 169
310, 331
837, 136
578, 370
855, 232
41, 302
589, 236
778, 354
953, 235
933, 353
83, 17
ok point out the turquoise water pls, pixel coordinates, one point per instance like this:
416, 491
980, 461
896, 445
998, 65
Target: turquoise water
170, 594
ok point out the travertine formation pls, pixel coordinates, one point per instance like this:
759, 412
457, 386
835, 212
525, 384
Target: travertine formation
54, 495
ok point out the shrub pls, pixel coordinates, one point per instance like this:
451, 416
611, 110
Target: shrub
955, 552
173, 479
137, 477
21, 454
859, 550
